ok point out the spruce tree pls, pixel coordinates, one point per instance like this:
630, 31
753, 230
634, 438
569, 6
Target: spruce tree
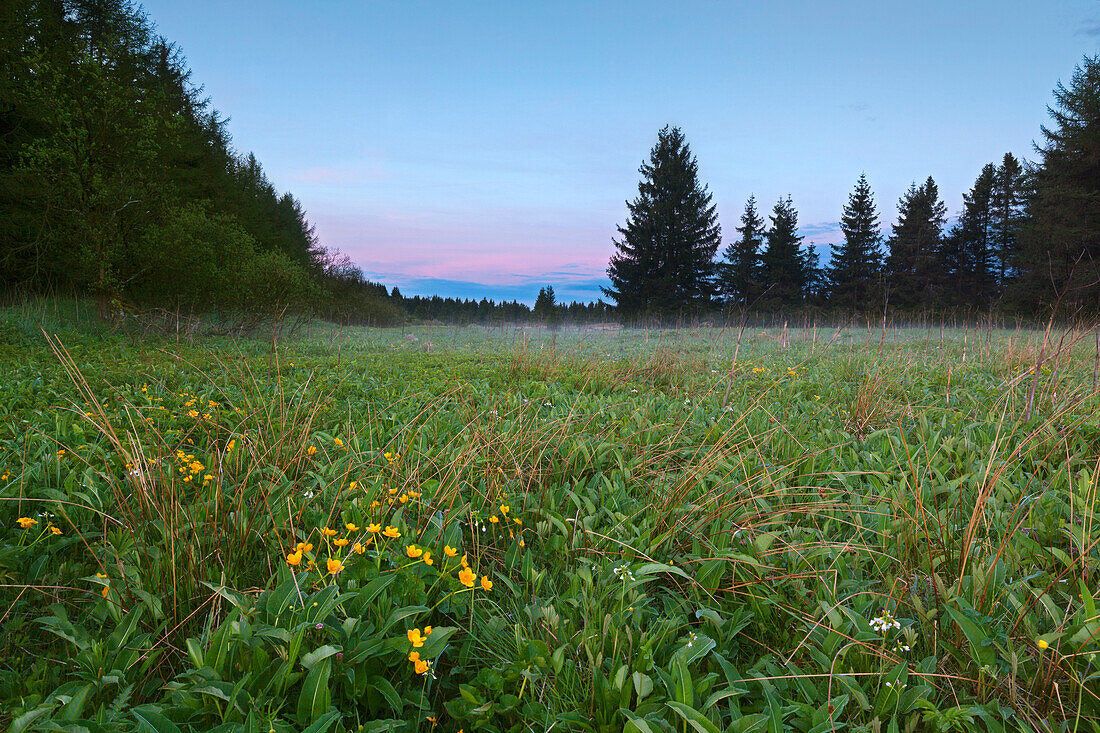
856, 267
913, 261
739, 273
1007, 214
783, 264
664, 261
546, 307
966, 257
1060, 243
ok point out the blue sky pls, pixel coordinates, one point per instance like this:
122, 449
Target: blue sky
487, 148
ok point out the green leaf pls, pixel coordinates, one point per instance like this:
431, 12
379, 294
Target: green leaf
314, 698
634, 722
682, 689
150, 721
323, 723
321, 652
694, 718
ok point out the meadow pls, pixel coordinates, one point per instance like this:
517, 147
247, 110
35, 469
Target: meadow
447, 528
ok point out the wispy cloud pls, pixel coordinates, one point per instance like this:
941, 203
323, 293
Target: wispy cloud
824, 230
1089, 28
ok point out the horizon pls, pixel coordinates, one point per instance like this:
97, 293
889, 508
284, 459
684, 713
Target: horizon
509, 170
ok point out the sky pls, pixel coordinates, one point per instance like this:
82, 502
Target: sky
485, 149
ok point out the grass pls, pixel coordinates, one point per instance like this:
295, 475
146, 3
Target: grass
844, 530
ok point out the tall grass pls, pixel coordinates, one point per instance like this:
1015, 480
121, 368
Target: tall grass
767, 512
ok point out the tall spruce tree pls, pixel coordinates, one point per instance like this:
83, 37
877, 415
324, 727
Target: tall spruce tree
913, 260
966, 255
1006, 217
856, 267
1059, 253
783, 263
663, 265
739, 272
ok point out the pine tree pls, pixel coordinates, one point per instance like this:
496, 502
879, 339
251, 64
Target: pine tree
1059, 252
739, 273
913, 261
856, 267
783, 263
664, 261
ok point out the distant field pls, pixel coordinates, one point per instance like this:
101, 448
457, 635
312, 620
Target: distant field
605, 530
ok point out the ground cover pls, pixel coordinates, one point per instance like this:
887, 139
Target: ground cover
447, 528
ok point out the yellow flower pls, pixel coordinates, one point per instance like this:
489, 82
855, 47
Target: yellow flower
414, 656
351, 527
105, 591
101, 575
192, 413
428, 558
1042, 644
328, 532
341, 542
55, 530
416, 638
374, 528
304, 547
449, 551
466, 577
294, 558
403, 498
375, 504
311, 450
145, 388
463, 562
339, 443
427, 631
422, 666
522, 543
27, 522
359, 549
232, 444
353, 486
413, 551
334, 566
486, 583
415, 494
494, 519
504, 508
391, 532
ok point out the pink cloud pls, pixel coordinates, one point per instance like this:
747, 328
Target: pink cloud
418, 247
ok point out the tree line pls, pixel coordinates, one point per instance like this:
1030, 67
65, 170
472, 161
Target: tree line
1026, 241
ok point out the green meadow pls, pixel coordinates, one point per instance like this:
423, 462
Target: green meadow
479, 529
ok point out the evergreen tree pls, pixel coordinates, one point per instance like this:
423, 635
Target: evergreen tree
914, 256
664, 261
854, 273
1060, 244
1007, 213
783, 263
966, 258
739, 273
546, 307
